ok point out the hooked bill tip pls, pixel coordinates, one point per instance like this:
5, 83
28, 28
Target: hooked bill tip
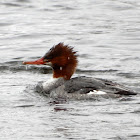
24, 63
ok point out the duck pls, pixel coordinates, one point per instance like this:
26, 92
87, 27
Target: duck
63, 61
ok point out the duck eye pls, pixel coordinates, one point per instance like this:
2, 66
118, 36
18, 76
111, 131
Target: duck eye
46, 60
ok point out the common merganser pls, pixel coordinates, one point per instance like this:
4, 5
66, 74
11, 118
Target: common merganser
63, 60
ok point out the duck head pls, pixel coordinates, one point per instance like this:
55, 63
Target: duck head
61, 58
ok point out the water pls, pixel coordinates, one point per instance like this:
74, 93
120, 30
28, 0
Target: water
106, 36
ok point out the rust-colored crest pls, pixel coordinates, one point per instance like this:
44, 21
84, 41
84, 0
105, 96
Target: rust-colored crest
63, 59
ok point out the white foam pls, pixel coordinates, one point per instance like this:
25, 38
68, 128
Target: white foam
96, 92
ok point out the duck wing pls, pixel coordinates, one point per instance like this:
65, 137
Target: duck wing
84, 85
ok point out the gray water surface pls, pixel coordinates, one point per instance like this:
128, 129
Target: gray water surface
106, 34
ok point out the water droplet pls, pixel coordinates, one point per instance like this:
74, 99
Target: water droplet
61, 68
